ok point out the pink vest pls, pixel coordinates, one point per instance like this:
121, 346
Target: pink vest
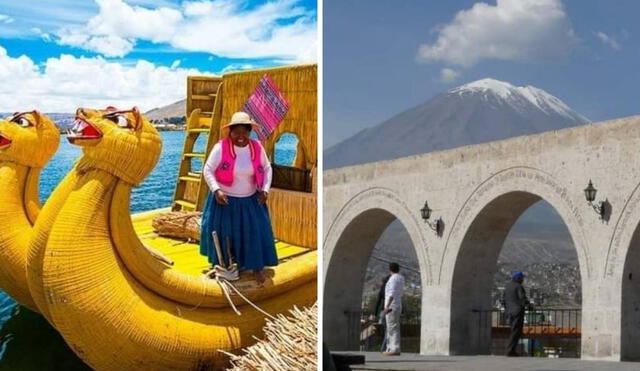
224, 172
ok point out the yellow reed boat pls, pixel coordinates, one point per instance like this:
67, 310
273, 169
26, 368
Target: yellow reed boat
28, 140
99, 274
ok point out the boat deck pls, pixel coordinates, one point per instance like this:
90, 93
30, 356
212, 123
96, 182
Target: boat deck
186, 255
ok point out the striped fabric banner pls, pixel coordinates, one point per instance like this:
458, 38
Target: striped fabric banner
266, 106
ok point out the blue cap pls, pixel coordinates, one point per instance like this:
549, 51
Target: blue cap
517, 274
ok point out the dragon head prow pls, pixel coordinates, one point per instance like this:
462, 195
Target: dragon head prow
28, 138
120, 142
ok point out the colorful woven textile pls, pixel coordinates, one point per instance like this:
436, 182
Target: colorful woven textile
266, 106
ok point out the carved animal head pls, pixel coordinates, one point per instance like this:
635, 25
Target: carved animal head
28, 138
120, 142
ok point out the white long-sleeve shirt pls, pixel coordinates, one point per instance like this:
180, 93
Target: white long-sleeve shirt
394, 288
244, 184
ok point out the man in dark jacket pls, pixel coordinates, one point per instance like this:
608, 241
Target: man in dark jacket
515, 303
379, 314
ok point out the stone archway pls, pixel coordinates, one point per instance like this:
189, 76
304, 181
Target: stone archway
622, 271
477, 237
461, 182
630, 309
349, 242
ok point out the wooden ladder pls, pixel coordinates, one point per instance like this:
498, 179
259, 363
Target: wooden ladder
204, 106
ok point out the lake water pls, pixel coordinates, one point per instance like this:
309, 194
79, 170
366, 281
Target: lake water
25, 333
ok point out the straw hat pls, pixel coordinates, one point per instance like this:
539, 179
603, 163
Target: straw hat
241, 118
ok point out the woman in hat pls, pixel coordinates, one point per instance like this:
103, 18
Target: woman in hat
238, 173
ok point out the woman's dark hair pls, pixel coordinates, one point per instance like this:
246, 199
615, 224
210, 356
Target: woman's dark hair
394, 267
248, 127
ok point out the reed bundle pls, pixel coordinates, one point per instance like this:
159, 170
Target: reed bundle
290, 344
182, 225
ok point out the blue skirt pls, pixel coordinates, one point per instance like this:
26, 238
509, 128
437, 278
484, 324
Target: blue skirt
246, 225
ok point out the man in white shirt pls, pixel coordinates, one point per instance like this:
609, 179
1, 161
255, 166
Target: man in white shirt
392, 309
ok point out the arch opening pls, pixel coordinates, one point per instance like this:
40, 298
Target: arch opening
516, 231
289, 164
394, 245
630, 308
358, 263
286, 150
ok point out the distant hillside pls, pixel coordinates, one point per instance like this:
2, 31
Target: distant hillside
64, 121
548, 258
169, 114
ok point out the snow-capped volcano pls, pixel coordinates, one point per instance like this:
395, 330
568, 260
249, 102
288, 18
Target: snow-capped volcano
477, 112
520, 97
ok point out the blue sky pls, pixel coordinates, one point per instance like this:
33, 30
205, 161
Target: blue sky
60, 54
382, 57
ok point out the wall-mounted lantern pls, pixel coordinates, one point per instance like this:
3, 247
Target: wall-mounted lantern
590, 194
426, 215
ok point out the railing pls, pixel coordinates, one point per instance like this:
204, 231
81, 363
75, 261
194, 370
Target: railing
546, 333
366, 333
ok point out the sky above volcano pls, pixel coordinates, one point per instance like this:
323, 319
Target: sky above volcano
383, 57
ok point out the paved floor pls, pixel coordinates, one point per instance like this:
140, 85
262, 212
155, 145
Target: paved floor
408, 361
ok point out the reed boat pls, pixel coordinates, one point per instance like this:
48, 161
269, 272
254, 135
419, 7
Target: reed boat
100, 275
28, 140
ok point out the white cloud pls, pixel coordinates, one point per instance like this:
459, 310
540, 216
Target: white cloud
6, 19
516, 30
62, 84
45, 36
152, 3
608, 40
448, 75
237, 67
107, 45
118, 19
278, 29
46, 15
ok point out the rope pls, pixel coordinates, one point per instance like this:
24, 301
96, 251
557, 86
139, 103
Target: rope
222, 282
225, 284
